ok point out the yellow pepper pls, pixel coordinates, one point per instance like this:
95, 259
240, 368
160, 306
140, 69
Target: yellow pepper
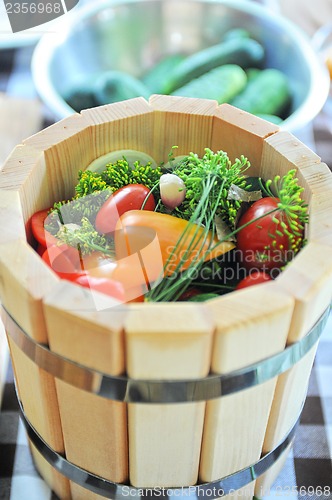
163, 240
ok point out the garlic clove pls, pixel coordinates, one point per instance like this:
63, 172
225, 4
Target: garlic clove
172, 190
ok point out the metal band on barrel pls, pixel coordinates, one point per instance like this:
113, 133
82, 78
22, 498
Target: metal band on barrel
122, 388
109, 489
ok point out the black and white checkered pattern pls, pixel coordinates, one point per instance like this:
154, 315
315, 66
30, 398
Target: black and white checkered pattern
308, 469
310, 463
19, 479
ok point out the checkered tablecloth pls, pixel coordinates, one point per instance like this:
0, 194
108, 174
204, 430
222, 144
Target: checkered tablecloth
309, 466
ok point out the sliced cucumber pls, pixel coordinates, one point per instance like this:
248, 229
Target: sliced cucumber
131, 155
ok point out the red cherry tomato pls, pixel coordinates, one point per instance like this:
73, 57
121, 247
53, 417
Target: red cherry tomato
130, 197
263, 244
107, 286
40, 249
254, 278
64, 260
44, 237
95, 271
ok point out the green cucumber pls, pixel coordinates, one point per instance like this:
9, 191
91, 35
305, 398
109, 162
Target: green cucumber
156, 76
236, 33
203, 297
115, 86
81, 98
252, 73
268, 93
220, 84
81, 95
244, 52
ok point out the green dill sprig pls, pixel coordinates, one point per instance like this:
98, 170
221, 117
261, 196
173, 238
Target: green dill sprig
88, 206
192, 170
292, 208
115, 176
207, 177
85, 238
88, 183
120, 173
93, 189
74, 210
146, 175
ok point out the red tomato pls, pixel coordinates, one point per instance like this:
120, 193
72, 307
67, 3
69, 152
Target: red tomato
122, 271
259, 244
253, 278
44, 237
107, 286
40, 249
130, 197
95, 271
64, 260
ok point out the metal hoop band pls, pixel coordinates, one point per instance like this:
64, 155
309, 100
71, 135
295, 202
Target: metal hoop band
122, 388
109, 489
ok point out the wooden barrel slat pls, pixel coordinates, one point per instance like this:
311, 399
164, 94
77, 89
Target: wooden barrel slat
165, 439
94, 428
23, 282
233, 127
251, 325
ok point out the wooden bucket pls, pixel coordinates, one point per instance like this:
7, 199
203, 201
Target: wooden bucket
173, 396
